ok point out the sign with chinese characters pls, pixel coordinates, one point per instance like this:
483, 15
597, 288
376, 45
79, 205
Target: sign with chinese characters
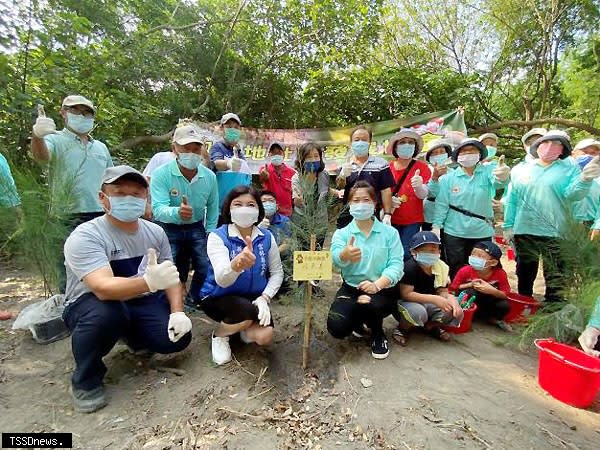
312, 266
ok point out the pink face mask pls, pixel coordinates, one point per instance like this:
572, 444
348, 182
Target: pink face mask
549, 151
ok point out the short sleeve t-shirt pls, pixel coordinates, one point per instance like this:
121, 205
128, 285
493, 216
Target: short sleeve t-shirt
416, 277
156, 161
466, 274
411, 209
376, 172
98, 243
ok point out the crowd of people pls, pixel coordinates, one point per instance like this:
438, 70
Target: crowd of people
412, 236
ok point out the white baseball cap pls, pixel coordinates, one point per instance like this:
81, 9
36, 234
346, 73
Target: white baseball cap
73, 100
186, 134
229, 116
589, 142
488, 136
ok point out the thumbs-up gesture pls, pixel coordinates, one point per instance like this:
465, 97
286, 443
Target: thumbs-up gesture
43, 125
351, 253
438, 171
346, 170
263, 174
246, 259
417, 180
160, 276
185, 210
501, 172
591, 170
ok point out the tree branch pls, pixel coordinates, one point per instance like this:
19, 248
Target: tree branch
143, 140
530, 123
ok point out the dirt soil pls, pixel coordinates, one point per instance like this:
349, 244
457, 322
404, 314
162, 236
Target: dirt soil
470, 393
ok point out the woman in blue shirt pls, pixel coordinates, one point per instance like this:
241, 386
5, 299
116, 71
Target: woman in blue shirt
369, 254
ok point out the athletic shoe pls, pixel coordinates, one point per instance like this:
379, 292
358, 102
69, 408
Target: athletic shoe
361, 331
221, 352
504, 326
89, 401
379, 347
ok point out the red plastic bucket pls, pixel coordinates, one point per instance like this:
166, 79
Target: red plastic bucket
521, 306
567, 373
465, 325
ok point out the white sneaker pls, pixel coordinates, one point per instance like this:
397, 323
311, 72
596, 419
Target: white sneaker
221, 352
244, 337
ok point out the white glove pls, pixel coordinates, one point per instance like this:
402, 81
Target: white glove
437, 231
160, 276
265, 223
588, 340
396, 202
387, 219
501, 172
346, 170
264, 313
43, 125
179, 325
234, 164
591, 170
420, 189
509, 235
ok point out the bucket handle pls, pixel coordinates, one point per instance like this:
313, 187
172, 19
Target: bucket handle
562, 358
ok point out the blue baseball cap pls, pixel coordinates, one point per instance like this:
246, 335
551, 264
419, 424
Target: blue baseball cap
424, 237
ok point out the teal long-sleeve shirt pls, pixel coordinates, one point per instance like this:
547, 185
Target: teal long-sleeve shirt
588, 209
472, 193
381, 251
168, 186
595, 317
540, 199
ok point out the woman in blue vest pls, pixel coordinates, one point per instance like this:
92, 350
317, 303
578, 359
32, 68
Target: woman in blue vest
245, 273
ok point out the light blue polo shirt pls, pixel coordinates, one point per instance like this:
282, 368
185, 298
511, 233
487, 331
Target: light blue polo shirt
540, 199
471, 193
382, 253
76, 171
168, 186
9, 197
588, 209
595, 317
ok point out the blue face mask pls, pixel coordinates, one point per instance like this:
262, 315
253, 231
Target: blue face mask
277, 160
189, 161
127, 208
405, 151
360, 148
362, 211
477, 263
427, 259
270, 208
232, 135
491, 151
583, 160
438, 159
79, 123
312, 166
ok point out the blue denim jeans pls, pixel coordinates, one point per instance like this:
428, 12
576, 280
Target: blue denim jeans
188, 245
406, 233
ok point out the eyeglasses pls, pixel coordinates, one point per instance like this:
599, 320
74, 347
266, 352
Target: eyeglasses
81, 112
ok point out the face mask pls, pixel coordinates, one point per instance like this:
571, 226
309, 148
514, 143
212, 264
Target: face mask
549, 152
362, 211
232, 135
270, 208
468, 160
277, 160
189, 161
360, 148
427, 259
80, 124
405, 151
491, 151
244, 216
127, 208
438, 159
312, 166
583, 160
477, 263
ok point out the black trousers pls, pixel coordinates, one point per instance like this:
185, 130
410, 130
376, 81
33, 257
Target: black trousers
529, 248
346, 314
488, 306
456, 251
230, 309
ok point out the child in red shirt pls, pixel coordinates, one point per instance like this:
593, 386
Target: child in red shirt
276, 177
485, 278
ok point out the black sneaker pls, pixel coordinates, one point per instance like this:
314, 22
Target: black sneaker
89, 401
379, 347
190, 305
361, 331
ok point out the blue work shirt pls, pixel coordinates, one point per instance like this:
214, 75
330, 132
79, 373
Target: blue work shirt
540, 199
228, 179
168, 186
76, 171
471, 193
279, 227
588, 209
9, 197
381, 253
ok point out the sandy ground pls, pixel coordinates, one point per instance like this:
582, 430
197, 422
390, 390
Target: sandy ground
470, 393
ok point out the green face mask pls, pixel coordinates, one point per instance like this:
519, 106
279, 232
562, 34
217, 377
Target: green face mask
232, 135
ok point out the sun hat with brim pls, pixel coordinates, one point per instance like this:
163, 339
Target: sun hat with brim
275, 144
391, 148
533, 132
229, 116
422, 238
187, 134
470, 142
488, 136
112, 174
74, 100
589, 142
438, 143
553, 135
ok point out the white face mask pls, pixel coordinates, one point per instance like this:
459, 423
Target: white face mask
469, 160
244, 216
